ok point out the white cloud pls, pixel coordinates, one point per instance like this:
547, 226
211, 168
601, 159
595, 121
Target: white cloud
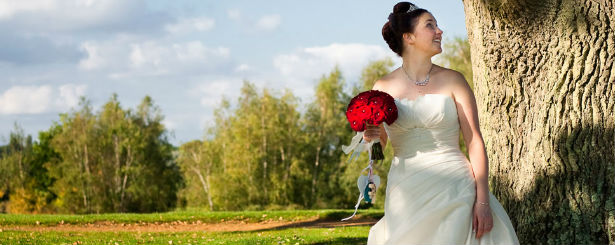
48, 16
40, 99
130, 57
211, 92
243, 68
153, 55
195, 51
8, 8
234, 14
312, 62
93, 59
302, 68
169, 124
191, 25
69, 95
269, 22
251, 23
25, 100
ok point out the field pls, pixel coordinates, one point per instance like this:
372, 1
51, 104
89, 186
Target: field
191, 227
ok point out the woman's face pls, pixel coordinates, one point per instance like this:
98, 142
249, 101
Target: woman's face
427, 35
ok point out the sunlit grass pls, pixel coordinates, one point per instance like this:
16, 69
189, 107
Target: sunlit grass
341, 235
184, 215
291, 235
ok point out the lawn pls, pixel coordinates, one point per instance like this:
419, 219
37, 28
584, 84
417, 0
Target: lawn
178, 227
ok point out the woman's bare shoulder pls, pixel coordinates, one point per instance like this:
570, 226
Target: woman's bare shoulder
384, 82
452, 77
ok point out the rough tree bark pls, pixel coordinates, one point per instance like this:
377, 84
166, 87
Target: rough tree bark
544, 81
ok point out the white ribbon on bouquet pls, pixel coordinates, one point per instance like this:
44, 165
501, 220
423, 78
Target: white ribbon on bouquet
359, 146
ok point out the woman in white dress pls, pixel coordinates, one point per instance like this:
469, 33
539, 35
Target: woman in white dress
434, 194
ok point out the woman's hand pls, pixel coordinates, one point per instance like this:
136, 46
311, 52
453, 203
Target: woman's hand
482, 222
371, 132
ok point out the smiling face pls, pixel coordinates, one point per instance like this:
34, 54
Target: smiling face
427, 36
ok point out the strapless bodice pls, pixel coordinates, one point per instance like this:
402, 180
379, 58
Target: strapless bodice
427, 124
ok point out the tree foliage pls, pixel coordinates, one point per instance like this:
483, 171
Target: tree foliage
265, 151
115, 160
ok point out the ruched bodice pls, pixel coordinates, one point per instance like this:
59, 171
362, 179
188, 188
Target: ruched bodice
426, 124
430, 190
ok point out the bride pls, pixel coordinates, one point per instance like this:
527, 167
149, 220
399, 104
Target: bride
434, 194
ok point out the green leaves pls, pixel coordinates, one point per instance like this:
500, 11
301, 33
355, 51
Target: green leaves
115, 160
265, 153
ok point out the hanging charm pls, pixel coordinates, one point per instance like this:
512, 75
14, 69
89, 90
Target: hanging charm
367, 185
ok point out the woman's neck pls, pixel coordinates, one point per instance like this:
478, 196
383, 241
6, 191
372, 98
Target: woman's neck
417, 66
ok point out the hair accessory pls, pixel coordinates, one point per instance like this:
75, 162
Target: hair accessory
412, 8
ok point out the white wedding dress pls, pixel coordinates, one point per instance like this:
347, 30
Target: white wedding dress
430, 188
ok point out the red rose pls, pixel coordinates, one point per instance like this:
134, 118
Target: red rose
376, 102
371, 106
377, 117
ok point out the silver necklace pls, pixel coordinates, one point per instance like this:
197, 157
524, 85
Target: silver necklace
420, 83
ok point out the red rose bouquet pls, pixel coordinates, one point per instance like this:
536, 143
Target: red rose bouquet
371, 107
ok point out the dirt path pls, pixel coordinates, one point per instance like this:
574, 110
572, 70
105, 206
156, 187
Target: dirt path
178, 226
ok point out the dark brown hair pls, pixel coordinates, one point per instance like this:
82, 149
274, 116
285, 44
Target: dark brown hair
399, 23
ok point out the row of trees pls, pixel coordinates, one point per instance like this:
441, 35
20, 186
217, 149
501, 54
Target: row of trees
266, 154
263, 153
115, 160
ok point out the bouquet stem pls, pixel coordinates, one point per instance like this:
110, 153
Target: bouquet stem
377, 153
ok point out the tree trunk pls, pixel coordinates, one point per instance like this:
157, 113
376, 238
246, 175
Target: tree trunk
87, 181
209, 199
285, 175
129, 160
544, 83
117, 177
205, 186
315, 174
264, 154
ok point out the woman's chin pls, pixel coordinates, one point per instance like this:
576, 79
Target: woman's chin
437, 51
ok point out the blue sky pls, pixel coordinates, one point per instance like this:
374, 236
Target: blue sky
185, 54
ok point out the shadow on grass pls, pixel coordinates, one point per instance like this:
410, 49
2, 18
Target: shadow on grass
343, 240
326, 222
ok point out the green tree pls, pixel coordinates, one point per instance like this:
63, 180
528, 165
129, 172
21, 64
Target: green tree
114, 161
326, 128
248, 155
15, 167
197, 161
24, 177
74, 174
156, 177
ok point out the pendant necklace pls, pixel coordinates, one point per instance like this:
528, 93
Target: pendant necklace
419, 83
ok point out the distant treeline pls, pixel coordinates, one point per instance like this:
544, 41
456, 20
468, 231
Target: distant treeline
115, 160
262, 154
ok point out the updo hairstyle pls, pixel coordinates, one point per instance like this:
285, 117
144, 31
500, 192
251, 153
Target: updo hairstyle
400, 21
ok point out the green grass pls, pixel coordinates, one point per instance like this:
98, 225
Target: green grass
185, 215
297, 235
341, 235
